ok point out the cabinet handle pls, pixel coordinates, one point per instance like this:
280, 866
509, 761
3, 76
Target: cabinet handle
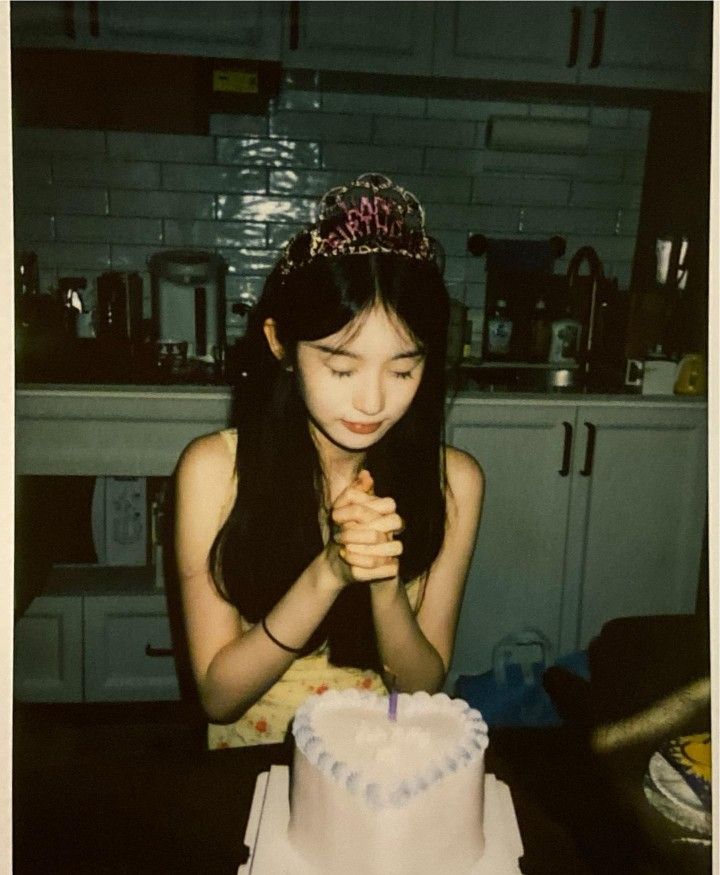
158, 651
576, 13
589, 450
294, 25
598, 37
94, 18
567, 445
69, 17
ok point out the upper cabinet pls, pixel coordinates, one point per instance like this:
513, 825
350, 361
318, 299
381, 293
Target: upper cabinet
529, 42
656, 44
663, 45
391, 37
226, 29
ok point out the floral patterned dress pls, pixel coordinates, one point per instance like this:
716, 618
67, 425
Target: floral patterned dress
267, 721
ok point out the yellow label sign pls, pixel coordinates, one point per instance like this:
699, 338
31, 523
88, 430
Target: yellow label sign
237, 81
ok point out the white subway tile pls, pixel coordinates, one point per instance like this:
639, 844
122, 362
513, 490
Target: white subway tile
108, 229
475, 298
162, 204
27, 170
258, 152
452, 242
238, 287
348, 158
264, 208
213, 234
312, 183
298, 100
603, 194
374, 104
559, 111
634, 167
425, 132
249, 262
564, 221
450, 108
130, 257
617, 140
233, 125
278, 235
67, 257
57, 141
608, 248
530, 162
430, 189
327, 127
598, 168
94, 170
62, 199
31, 227
477, 218
453, 161
211, 177
610, 116
521, 190
160, 147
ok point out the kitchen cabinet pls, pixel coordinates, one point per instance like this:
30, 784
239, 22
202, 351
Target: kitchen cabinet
593, 510
47, 650
97, 634
247, 30
395, 37
664, 45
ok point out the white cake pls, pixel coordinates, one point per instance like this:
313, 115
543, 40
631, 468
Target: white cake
372, 796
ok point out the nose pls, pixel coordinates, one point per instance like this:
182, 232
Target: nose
369, 398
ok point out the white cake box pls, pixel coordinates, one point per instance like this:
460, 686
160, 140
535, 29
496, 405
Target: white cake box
271, 853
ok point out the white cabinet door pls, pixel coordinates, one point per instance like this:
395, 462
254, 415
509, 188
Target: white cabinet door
523, 41
244, 29
128, 654
516, 576
239, 30
390, 37
44, 24
664, 45
636, 517
48, 651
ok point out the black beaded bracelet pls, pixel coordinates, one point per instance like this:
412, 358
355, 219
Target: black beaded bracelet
279, 643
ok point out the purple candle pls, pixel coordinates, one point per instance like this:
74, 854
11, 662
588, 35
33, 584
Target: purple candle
392, 705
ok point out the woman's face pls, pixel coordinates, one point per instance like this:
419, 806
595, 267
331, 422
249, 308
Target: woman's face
359, 382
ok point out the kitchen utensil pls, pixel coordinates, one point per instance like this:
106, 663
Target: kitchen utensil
119, 305
188, 301
659, 376
634, 369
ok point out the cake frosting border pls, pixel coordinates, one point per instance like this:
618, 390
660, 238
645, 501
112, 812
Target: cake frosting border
377, 795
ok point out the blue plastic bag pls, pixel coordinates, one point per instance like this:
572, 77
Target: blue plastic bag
512, 693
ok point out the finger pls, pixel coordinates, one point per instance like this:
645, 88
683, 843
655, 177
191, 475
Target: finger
356, 513
352, 533
356, 496
384, 572
365, 481
389, 523
387, 548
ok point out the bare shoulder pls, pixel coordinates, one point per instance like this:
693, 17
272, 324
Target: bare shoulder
465, 478
207, 459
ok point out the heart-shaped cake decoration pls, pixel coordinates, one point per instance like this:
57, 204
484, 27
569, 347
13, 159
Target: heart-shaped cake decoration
347, 735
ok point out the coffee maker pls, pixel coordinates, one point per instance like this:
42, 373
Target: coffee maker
187, 289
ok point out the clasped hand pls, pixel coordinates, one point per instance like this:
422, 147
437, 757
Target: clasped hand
363, 530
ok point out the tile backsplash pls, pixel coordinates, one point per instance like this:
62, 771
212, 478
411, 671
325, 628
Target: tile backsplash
90, 201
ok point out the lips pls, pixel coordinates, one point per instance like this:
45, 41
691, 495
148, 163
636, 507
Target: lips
361, 427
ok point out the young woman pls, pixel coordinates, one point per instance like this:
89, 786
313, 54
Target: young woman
323, 542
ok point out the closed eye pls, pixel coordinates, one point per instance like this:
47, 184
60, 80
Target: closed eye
340, 373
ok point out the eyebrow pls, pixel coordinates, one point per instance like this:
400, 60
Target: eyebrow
410, 354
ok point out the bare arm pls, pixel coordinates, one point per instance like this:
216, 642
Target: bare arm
233, 668
417, 649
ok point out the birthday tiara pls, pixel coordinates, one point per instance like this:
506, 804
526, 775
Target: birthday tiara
370, 214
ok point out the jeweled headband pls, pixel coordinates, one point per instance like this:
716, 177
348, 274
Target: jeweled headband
370, 214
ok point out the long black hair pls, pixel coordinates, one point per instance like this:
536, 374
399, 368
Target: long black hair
273, 531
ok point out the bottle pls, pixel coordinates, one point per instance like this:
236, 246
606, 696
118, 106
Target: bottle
499, 331
539, 332
565, 339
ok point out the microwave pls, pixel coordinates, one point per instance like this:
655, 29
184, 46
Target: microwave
119, 520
